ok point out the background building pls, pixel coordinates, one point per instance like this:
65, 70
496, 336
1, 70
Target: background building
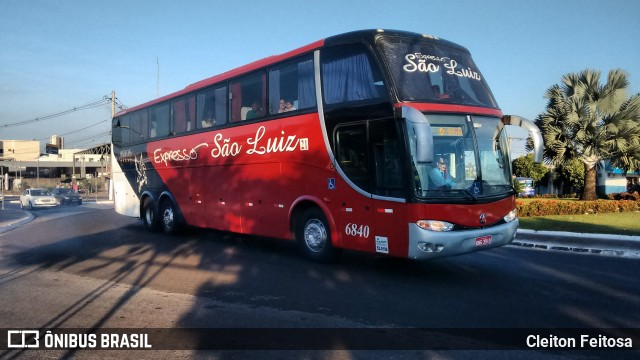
57, 141
19, 150
612, 180
22, 160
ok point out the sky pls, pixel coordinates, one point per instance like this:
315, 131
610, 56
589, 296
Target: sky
59, 55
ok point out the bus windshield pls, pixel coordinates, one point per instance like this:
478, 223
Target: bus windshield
471, 159
429, 71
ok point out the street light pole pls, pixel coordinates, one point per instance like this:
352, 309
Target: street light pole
102, 170
2, 177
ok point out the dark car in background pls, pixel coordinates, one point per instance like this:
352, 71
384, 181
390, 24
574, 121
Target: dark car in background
66, 196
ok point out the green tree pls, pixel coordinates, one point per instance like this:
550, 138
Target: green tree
571, 173
517, 186
590, 121
525, 167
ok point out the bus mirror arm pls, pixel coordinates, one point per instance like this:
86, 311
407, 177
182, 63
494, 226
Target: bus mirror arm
534, 132
418, 126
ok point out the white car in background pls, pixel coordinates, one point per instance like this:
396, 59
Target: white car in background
34, 198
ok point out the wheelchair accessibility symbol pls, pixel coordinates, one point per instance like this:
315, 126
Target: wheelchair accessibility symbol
331, 183
476, 188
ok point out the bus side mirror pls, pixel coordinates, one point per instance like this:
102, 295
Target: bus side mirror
534, 132
419, 129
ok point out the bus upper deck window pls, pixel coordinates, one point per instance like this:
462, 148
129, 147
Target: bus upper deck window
349, 75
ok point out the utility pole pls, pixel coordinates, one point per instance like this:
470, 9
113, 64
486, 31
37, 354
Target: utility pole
113, 103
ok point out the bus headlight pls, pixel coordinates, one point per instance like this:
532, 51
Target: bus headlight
512, 215
434, 225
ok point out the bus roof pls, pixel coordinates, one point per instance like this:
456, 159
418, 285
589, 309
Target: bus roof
371, 35
367, 36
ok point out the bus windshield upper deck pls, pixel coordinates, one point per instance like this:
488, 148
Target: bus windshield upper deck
424, 70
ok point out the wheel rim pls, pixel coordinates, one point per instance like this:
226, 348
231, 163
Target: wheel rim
315, 235
167, 218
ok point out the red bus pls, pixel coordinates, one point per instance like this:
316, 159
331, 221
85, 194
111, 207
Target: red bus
379, 141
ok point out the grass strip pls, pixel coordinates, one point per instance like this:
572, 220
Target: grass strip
607, 223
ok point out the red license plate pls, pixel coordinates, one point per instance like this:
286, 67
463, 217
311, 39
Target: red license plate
483, 240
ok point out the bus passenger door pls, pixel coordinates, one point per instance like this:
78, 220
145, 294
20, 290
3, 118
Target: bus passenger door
369, 155
356, 221
388, 204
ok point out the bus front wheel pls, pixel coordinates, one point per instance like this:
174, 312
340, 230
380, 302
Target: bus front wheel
314, 235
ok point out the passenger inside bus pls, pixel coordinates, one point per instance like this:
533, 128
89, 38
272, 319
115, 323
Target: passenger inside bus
437, 93
289, 106
153, 132
208, 120
255, 111
286, 105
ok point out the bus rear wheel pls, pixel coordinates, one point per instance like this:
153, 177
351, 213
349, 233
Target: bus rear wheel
149, 218
314, 236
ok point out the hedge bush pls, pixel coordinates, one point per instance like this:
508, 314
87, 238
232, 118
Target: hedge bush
560, 207
550, 196
624, 196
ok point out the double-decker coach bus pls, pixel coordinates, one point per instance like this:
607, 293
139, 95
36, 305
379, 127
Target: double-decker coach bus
379, 141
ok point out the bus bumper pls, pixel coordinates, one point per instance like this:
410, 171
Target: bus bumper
425, 244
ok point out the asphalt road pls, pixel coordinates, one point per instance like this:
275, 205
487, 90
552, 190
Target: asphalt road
85, 267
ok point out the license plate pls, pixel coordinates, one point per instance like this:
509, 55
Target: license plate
483, 240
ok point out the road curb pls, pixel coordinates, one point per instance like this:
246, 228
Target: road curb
19, 222
593, 244
579, 235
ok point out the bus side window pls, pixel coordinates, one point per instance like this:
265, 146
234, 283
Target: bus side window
212, 107
117, 130
144, 124
125, 124
159, 120
292, 86
351, 154
138, 126
383, 136
183, 113
248, 97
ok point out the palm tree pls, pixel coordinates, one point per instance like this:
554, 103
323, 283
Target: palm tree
592, 122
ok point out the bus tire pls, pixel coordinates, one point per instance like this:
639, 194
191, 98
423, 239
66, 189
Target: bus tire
313, 235
149, 218
169, 217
